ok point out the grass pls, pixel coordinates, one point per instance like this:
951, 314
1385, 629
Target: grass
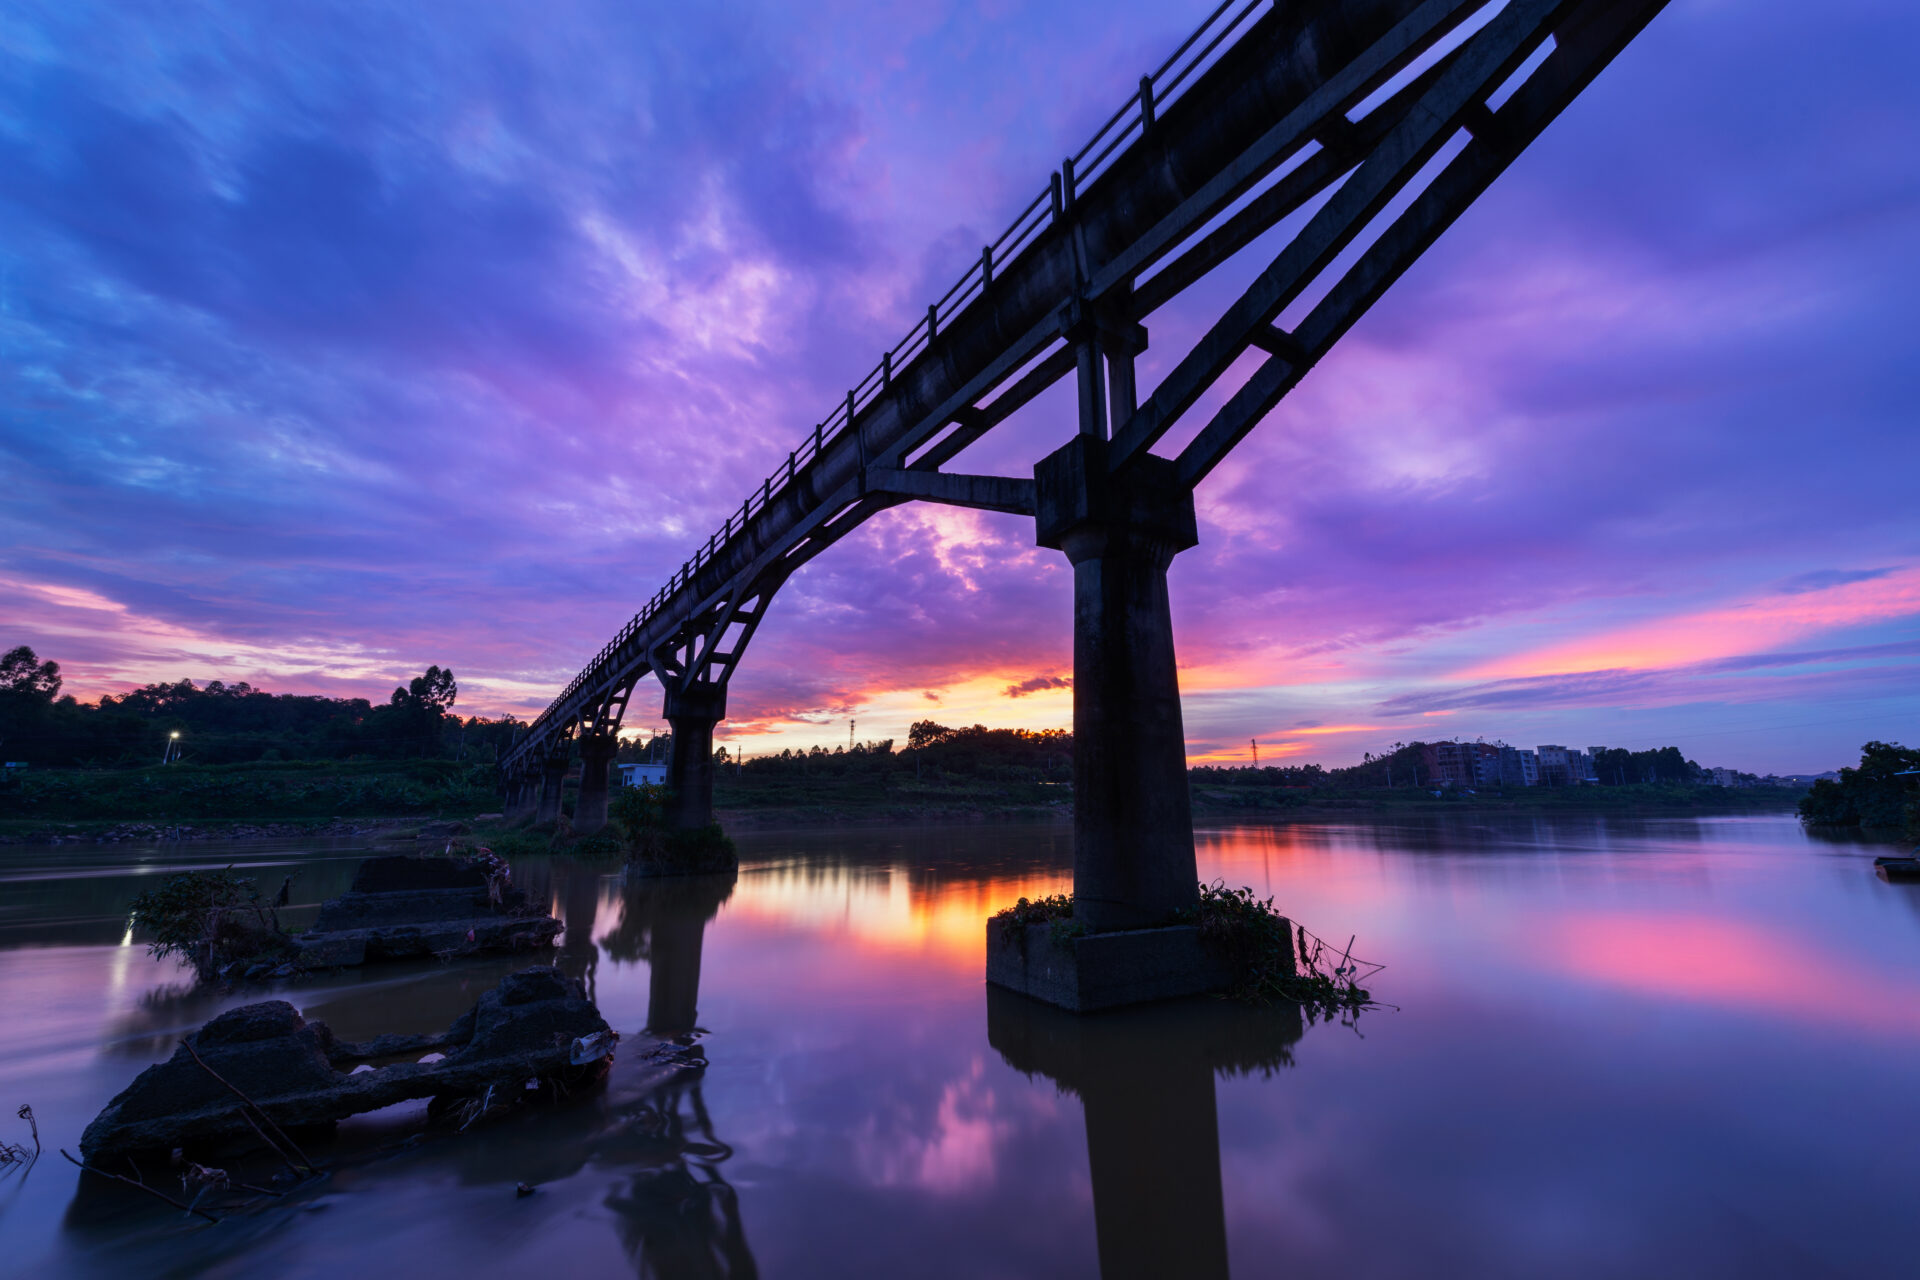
260, 792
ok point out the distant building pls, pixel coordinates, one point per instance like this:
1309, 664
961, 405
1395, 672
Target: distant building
1582, 767
632, 775
1518, 768
1486, 763
1453, 764
1556, 766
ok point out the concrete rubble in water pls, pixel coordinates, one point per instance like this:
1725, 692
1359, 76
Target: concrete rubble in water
525, 1029
401, 907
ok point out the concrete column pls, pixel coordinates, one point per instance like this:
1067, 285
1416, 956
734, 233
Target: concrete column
1133, 863
519, 804
553, 773
693, 711
596, 755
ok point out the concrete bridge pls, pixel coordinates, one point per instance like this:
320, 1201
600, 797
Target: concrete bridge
1393, 114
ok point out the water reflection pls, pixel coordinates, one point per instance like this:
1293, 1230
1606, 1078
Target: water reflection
664, 922
1145, 1082
1625, 1046
677, 1214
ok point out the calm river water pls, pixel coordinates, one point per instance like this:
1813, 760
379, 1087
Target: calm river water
1674, 1047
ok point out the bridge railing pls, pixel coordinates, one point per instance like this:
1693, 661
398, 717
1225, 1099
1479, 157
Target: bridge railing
1210, 41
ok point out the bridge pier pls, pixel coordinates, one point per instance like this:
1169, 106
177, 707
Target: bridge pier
692, 710
1133, 864
553, 775
519, 803
1133, 860
597, 751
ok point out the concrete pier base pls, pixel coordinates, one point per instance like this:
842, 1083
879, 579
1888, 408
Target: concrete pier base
1102, 970
590, 808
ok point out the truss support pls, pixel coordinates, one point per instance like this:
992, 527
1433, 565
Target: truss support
983, 493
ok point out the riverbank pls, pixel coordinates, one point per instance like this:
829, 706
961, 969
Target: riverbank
745, 805
392, 799
191, 801
39, 833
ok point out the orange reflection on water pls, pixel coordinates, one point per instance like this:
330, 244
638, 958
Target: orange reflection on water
1729, 963
889, 909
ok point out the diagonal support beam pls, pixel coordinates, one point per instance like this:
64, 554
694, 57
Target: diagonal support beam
982, 493
1487, 59
1498, 137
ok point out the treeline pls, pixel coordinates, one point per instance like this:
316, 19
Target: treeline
932, 751
219, 723
1881, 794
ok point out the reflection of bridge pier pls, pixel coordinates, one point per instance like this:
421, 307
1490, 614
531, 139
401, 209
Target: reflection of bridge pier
677, 1215
1144, 1077
664, 922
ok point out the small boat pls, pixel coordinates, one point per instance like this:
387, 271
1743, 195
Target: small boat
1899, 869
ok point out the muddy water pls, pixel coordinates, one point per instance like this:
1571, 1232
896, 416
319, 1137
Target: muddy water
1622, 1048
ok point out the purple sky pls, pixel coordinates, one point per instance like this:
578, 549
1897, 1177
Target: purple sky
336, 341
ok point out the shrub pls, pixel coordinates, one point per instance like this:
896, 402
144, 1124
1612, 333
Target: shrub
1056, 909
209, 918
1256, 943
654, 848
640, 814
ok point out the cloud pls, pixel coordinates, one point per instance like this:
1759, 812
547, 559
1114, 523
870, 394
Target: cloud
1821, 579
1034, 684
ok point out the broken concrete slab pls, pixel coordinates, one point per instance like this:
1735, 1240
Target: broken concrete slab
403, 906
300, 1076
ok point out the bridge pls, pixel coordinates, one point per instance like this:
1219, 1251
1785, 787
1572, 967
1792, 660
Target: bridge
1377, 121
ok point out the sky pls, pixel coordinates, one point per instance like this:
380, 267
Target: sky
338, 340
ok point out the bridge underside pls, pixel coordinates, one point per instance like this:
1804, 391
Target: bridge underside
1372, 125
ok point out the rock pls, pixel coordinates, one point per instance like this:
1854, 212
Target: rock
403, 906
524, 1028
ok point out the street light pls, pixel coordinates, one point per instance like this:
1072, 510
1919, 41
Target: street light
173, 748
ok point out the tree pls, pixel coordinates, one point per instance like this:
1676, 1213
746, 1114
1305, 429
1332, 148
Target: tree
23, 675
432, 692
422, 705
1880, 794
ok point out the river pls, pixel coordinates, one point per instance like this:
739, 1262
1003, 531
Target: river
1618, 1047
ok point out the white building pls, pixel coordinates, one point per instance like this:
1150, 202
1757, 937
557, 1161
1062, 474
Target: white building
632, 775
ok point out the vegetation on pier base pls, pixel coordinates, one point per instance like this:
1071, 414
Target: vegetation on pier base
1056, 910
212, 919
1257, 944
1881, 795
653, 847
1254, 942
